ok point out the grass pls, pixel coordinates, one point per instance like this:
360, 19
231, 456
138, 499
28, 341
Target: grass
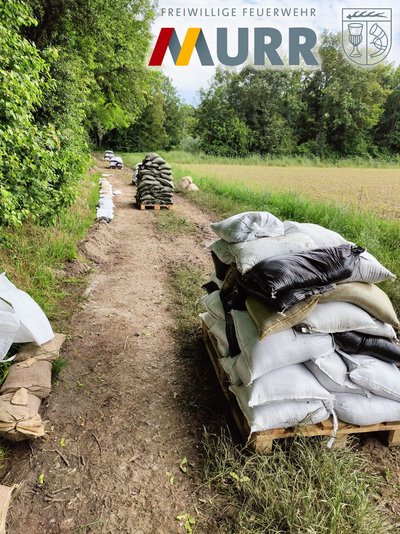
180, 157
169, 222
57, 366
302, 487
34, 256
380, 237
186, 281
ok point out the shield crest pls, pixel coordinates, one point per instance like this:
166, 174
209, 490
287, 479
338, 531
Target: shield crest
366, 34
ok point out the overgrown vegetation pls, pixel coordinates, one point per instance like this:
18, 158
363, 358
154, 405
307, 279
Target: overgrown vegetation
70, 71
301, 487
33, 256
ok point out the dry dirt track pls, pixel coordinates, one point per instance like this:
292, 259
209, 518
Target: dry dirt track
128, 404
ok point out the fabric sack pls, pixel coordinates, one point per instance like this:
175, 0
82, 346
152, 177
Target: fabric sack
248, 226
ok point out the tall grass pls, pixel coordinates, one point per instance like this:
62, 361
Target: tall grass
302, 487
180, 157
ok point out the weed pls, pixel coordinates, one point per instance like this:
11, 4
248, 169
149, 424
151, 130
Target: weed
169, 222
57, 366
302, 487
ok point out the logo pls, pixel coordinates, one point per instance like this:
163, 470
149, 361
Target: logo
366, 35
267, 42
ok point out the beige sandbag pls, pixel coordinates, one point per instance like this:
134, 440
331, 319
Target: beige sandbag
184, 182
19, 417
268, 321
368, 297
5, 498
192, 187
49, 351
31, 374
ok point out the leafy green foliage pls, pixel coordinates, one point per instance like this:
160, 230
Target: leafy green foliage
337, 110
75, 71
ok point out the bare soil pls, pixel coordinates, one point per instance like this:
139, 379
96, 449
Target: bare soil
129, 405
134, 398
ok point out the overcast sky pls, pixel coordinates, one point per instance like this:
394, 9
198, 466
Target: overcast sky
188, 80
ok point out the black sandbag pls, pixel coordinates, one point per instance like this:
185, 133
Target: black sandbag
220, 268
210, 287
313, 268
378, 347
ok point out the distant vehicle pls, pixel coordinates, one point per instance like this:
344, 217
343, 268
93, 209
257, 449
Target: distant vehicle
108, 154
116, 162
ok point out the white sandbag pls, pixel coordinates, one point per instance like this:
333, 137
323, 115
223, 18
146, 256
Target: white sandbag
294, 382
106, 203
332, 373
229, 366
331, 317
104, 213
218, 331
34, 325
209, 320
222, 251
247, 254
360, 410
369, 270
321, 236
279, 414
9, 326
248, 226
216, 327
213, 305
374, 375
275, 351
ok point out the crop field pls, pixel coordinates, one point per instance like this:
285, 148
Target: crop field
366, 189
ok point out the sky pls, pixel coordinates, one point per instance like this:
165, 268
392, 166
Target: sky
328, 15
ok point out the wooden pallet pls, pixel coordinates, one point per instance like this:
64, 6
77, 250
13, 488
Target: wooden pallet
154, 206
262, 442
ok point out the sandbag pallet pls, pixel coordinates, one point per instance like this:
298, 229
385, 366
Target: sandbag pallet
298, 332
262, 442
154, 206
154, 183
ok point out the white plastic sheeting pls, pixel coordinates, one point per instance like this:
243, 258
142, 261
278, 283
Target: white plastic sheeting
22, 319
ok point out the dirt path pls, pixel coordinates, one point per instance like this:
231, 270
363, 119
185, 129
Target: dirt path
128, 404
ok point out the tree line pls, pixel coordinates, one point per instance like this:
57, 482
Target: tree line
337, 110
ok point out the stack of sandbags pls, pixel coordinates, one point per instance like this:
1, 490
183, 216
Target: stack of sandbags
154, 181
108, 155
116, 162
300, 324
105, 209
28, 380
186, 184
